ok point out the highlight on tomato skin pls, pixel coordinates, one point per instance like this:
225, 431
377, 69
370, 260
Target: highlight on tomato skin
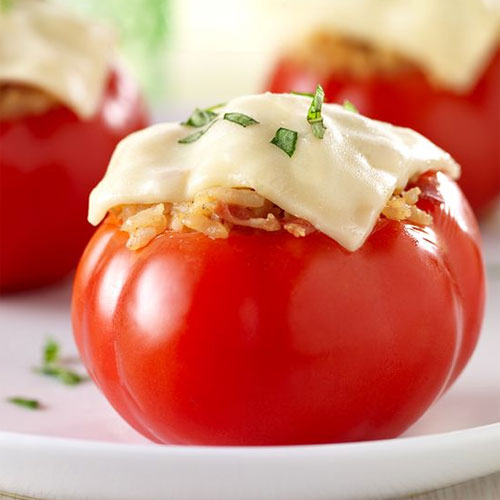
467, 125
48, 165
266, 339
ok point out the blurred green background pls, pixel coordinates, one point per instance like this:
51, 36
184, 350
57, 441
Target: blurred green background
190, 51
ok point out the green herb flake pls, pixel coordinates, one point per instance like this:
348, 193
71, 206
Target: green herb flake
52, 366
305, 94
314, 114
200, 118
350, 106
32, 404
51, 351
240, 119
194, 137
286, 140
64, 375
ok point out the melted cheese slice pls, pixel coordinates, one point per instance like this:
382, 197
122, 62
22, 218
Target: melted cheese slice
452, 40
340, 183
44, 46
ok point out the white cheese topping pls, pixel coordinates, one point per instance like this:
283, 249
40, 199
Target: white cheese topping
452, 40
340, 183
45, 46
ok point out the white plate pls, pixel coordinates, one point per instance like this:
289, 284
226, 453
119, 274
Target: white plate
77, 447
69, 469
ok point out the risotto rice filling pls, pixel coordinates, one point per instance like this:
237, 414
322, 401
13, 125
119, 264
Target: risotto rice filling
215, 211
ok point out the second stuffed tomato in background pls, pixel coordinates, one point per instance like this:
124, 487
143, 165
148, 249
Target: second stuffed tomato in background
433, 66
64, 105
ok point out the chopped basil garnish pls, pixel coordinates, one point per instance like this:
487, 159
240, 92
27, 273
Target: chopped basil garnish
350, 106
306, 94
240, 119
318, 129
286, 140
51, 365
62, 374
199, 118
51, 351
32, 404
194, 137
314, 114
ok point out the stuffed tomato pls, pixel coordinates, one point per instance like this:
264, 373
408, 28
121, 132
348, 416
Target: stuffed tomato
277, 272
433, 66
64, 105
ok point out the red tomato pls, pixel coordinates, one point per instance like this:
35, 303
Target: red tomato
465, 125
48, 165
267, 339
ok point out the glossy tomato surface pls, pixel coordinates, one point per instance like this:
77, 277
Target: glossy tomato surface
465, 125
267, 339
48, 165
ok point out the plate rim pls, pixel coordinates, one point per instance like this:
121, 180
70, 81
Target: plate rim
226, 472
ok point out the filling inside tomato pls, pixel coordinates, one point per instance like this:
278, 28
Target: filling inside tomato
17, 100
326, 53
215, 211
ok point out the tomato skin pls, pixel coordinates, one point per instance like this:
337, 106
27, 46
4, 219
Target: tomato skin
465, 125
268, 339
48, 165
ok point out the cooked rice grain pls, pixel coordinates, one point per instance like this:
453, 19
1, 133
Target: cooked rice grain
402, 206
143, 226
